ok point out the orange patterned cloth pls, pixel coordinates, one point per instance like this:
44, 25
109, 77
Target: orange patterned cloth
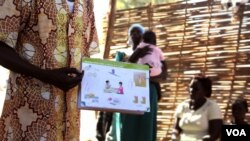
47, 35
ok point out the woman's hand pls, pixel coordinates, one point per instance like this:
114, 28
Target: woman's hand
63, 78
176, 130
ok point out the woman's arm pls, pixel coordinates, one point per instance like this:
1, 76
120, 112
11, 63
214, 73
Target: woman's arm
63, 78
214, 130
139, 53
176, 130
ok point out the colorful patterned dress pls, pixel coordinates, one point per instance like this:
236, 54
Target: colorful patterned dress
47, 35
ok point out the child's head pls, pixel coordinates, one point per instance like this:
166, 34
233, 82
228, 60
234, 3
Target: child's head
149, 37
120, 83
239, 109
107, 81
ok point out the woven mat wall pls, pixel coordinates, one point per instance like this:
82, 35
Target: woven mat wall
194, 37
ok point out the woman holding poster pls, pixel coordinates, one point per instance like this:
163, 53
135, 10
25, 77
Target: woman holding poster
140, 127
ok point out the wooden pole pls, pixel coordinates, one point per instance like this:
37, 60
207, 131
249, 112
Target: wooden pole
109, 34
150, 15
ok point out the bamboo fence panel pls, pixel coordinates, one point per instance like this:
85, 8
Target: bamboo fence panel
194, 37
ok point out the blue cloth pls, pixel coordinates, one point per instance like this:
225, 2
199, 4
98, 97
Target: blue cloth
119, 56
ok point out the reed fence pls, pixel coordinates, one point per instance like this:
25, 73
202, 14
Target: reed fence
194, 36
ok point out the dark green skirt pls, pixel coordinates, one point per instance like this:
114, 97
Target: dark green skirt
141, 127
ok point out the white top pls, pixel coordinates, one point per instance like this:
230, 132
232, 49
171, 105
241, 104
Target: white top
71, 6
194, 124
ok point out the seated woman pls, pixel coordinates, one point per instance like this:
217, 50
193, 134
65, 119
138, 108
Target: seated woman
198, 118
239, 110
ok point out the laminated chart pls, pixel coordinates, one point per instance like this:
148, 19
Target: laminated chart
114, 86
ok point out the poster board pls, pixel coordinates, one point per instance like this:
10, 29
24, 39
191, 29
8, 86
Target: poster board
114, 86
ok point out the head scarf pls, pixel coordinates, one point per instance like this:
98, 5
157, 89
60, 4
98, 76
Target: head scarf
133, 26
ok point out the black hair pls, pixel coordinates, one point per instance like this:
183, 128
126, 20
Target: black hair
107, 81
120, 82
206, 84
149, 37
240, 103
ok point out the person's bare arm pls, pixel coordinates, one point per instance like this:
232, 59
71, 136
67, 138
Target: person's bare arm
139, 53
214, 130
63, 78
176, 130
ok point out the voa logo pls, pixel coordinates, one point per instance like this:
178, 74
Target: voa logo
236, 132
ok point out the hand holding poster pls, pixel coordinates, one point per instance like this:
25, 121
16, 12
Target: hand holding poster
114, 86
